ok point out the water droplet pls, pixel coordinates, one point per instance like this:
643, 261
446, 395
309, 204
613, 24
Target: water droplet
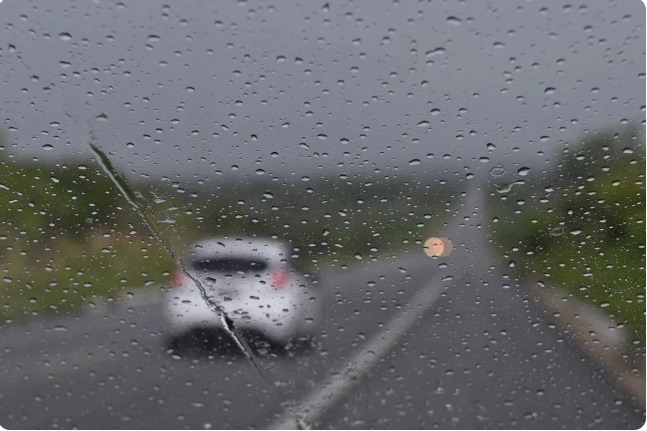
102, 117
557, 231
65, 36
497, 171
414, 162
435, 52
504, 188
523, 171
423, 124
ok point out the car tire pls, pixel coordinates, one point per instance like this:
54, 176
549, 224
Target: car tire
305, 344
173, 343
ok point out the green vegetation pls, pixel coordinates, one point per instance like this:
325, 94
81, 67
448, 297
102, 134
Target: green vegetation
582, 226
65, 239
68, 238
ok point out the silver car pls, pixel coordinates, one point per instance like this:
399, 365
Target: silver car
254, 281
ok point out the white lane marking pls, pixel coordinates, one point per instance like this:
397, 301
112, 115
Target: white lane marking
339, 384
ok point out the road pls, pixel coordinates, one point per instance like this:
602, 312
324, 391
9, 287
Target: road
476, 352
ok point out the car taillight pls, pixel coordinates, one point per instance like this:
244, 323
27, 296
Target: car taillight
178, 278
279, 279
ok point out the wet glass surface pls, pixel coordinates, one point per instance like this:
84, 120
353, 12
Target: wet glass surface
322, 215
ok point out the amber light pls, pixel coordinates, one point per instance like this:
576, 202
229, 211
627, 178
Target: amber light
437, 247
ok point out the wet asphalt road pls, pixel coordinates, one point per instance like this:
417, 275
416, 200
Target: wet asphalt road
481, 356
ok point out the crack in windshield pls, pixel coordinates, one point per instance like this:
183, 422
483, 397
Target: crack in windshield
124, 189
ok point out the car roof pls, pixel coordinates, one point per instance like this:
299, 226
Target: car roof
253, 247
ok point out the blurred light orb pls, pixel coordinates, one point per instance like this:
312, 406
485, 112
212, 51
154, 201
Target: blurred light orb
437, 247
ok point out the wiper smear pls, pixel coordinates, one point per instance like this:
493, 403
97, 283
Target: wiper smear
140, 208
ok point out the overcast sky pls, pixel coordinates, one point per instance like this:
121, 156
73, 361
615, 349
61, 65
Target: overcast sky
189, 89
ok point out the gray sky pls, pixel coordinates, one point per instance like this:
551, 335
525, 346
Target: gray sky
189, 89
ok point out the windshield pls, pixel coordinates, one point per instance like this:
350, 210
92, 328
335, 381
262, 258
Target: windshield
326, 215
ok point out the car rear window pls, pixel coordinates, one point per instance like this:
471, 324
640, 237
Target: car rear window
230, 265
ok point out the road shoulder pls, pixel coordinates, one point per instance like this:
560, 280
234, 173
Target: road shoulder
595, 335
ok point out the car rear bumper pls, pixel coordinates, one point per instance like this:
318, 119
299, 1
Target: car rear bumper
278, 325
